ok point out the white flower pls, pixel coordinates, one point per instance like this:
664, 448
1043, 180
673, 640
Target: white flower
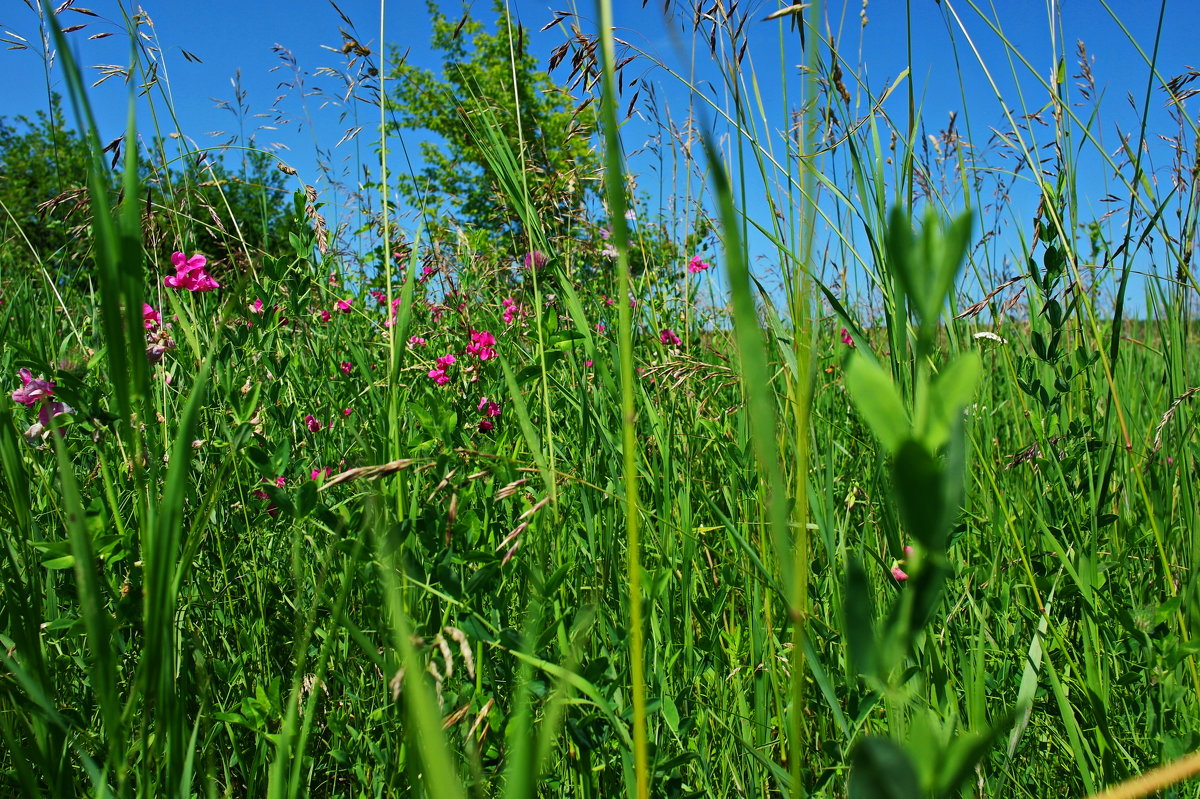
990, 337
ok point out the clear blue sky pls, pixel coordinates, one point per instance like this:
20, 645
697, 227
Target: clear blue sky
240, 39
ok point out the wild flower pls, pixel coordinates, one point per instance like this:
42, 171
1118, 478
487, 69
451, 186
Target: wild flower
346, 367
343, 306
256, 307
33, 389
490, 410
668, 336
325, 316
150, 317
600, 327
898, 572
312, 423
189, 274
535, 259
847, 339
380, 297
697, 265
482, 345
439, 374
416, 341
347, 411
319, 472
511, 310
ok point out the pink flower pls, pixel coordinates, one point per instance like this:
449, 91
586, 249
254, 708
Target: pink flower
667, 336
697, 265
600, 328
416, 341
257, 307
439, 373
150, 317
482, 345
280, 482
588, 363
325, 316
511, 310
343, 306
189, 274
847, 339
347, 411
33, 389
487, 407
534, 259
899, 574
318, 473
380, 297
346, 367
312, 423
486, 425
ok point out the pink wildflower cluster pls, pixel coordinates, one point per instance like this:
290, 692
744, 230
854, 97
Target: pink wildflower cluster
314, 424
697, 264
416, 341
847, 339
189, 274
150, 317
534, 259
511, 310
317, 474
439, 374
490, 410
35, 391
667, 336
482, 345
344, 306
346, 367
427, 271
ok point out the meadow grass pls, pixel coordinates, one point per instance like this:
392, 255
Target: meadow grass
630, 540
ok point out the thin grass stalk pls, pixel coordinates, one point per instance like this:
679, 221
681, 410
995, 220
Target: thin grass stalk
614, 183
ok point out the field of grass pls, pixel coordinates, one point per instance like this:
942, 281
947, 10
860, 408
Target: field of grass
431, 519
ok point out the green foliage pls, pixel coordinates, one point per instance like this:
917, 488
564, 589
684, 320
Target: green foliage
490, 79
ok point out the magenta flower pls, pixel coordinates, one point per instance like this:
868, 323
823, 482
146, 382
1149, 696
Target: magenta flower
697, 264
511, 310
347, 411
189, 274
899, 574
600, 328
380, 297
317, 474
312, 423
346, 367
343, 306
482, 345
33, 389
416, 341
325, 316
847, 339
439, 374
257, 307
667, 336
150, 317
534, 259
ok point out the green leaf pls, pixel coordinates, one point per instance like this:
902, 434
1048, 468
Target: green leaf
881, 769
949, 394
920, 489
878, 401
859, 610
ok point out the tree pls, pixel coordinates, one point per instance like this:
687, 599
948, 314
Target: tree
491, 95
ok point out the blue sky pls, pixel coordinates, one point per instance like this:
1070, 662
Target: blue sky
242, 41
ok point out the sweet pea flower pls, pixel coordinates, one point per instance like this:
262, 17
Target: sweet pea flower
189, 274
482, 345
150, 317
346, 367
325, 316
318, 473
847, 339
667, 336
697, 264
312, 423
257, 307
416, 341
33, 389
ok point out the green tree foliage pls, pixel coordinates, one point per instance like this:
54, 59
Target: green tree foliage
44, 169
227, 214
490, 81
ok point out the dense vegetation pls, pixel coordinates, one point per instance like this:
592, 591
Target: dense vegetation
540, 498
